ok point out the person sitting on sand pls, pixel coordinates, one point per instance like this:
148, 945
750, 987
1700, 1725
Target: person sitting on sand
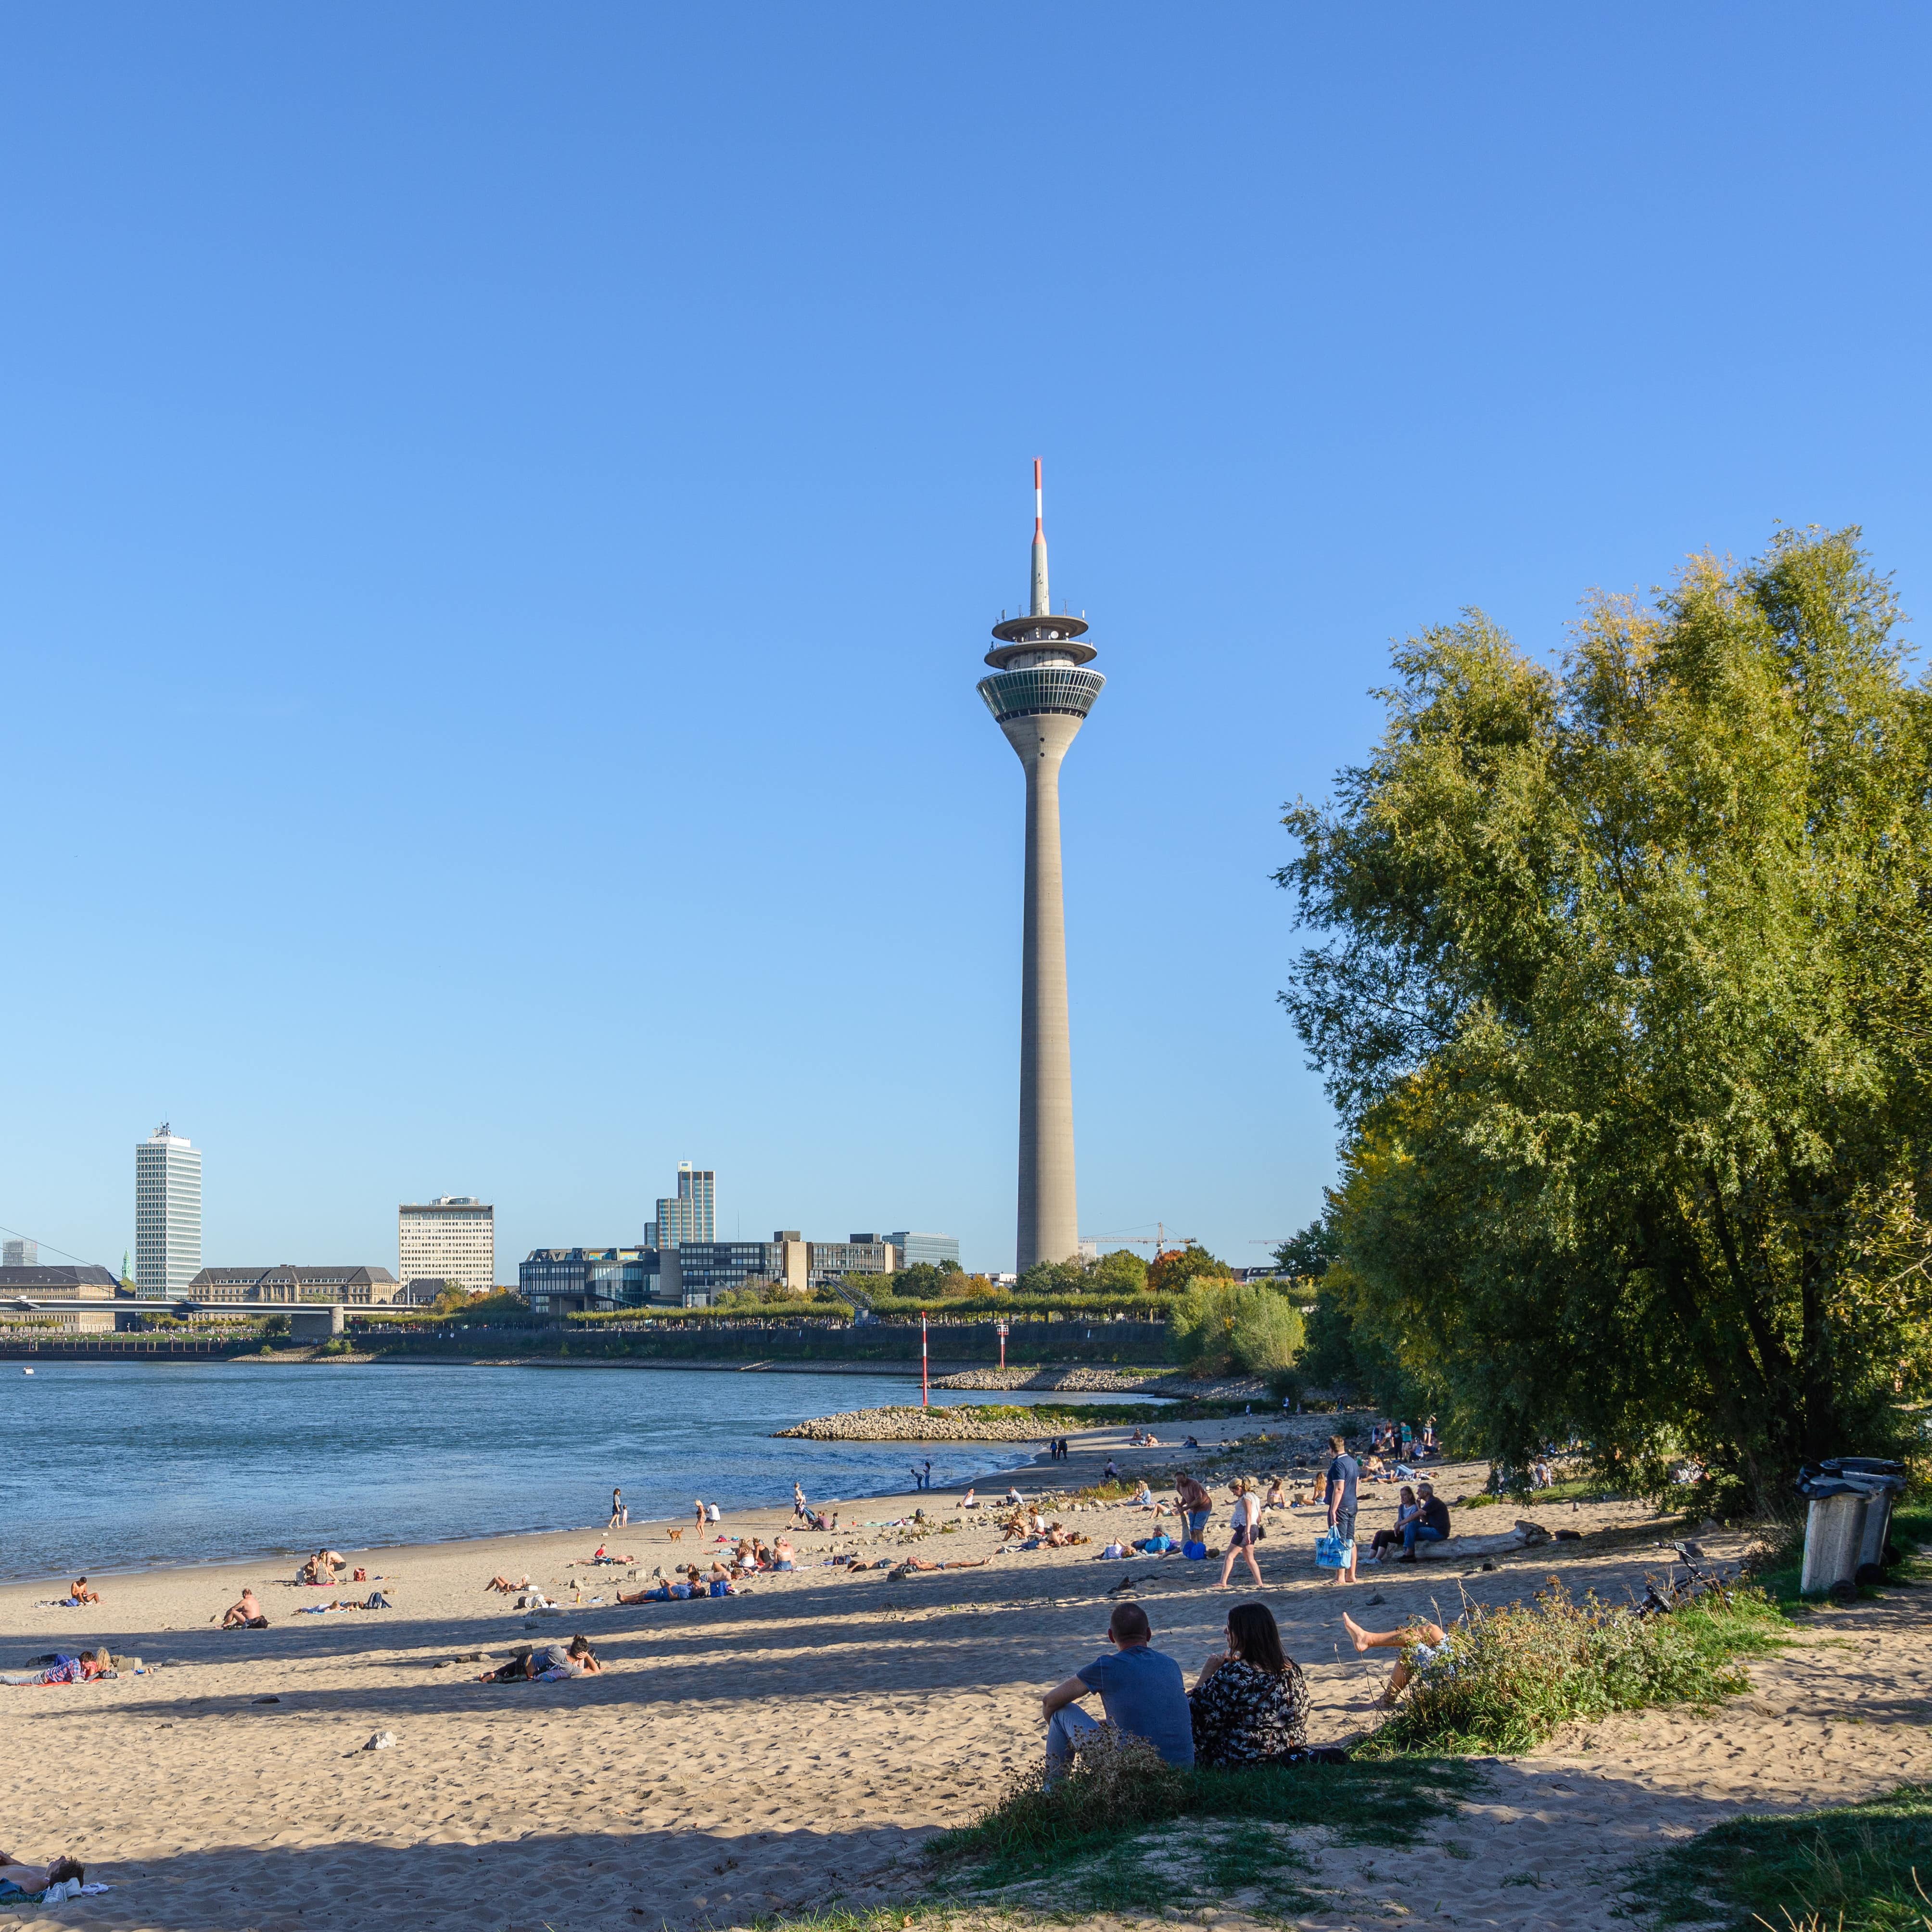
1111, 1473
1191, 1443
1142, 1497
31, 1879
971, 1500
1423, 1646
1249, 1705
499, 1581
784, 1556
1140, 1689
245, 1613
80, 1594
1277, 1495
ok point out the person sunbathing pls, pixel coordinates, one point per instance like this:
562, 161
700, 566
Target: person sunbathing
32, 1878
1277, 1495
784, 1556
82, 1669
1421, 1642
1142, 1498
499, 1581
81, 1594
907, 1564
244, 1614
971, 1500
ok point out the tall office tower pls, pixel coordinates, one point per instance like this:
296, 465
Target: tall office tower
20, 1254
167, 1213
451, 1238
691, 1215
1040, 693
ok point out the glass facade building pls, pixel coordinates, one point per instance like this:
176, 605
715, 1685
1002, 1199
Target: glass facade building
167, 1213
936, 1249
579, 1281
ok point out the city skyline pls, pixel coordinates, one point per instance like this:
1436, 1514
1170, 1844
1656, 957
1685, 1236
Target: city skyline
515, 567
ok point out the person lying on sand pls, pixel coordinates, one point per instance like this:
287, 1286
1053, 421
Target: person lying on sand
1421, 1642
32, 1878
81, 1594
504, 1584
547, 1663
244, 1614
907, 1565
82, 1669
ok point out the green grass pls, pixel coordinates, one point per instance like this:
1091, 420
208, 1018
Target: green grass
1778, 1572
1517, 1672
1870, 1862
1126, 1832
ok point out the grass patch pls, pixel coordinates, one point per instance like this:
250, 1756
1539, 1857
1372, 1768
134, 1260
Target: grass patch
1870, 1862
1099, 1834
1512, 1675
1777, 1568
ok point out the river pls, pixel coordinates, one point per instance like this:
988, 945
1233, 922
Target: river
109, 1466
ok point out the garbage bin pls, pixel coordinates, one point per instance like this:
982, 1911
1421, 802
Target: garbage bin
1881, 1481
1834, 1533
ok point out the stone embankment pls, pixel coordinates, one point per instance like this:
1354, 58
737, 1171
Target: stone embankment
1109, 1381
911, 1424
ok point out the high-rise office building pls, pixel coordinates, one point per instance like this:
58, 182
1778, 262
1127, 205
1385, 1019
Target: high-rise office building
1039, 693
451, 1238
691, 1214
19, 1254
167, 1213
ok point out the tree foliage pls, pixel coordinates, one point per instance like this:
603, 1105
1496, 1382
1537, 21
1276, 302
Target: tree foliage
1220, 1327
1626, 997
1173, 1268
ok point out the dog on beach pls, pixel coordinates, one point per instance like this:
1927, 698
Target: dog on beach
676, 1535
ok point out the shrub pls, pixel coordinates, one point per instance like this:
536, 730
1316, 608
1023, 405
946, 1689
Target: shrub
1512, 1675
1219, 1326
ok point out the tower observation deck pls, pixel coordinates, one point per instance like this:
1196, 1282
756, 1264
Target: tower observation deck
1039, 693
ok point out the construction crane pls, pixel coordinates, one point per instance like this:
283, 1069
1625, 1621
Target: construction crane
1161, 1241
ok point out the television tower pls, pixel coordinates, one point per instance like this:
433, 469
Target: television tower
1040, 693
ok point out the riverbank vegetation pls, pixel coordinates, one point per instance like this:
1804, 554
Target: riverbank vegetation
1624, 988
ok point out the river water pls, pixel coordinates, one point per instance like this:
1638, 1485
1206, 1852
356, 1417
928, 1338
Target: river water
112, 1465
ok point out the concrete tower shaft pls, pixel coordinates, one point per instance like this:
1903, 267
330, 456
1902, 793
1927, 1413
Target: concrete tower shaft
1040, 693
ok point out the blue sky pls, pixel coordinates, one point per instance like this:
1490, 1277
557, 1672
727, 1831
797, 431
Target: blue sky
500, 510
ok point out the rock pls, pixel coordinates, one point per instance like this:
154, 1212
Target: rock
265, 1700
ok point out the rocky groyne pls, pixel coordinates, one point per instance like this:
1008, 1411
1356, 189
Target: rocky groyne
913, 1424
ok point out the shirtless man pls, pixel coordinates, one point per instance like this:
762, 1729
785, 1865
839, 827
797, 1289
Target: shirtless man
509, 1588
38, 1878
245, 1613
82, 1594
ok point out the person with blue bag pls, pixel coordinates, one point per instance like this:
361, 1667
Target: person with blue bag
1344, 1472
1197, 1505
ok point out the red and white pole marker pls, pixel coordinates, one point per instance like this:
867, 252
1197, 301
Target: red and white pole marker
925, 1400
1002, 1327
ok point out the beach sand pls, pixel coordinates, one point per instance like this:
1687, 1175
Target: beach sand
772, 1754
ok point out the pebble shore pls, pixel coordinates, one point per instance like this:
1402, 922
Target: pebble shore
911, 1424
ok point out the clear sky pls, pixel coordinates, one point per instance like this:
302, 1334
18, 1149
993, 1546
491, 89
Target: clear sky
500, 509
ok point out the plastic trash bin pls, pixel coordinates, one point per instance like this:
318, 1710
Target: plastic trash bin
1882, 1481
1834, 1534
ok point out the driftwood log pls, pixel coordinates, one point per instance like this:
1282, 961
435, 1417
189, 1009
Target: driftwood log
1524, 1536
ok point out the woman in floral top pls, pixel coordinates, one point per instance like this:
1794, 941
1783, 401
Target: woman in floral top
1251, 1704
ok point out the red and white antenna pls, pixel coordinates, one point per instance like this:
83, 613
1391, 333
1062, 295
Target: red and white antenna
1039, 504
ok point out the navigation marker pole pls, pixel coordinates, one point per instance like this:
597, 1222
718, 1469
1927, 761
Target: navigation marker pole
925, 1400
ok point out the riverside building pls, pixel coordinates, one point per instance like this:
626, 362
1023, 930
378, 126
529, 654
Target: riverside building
167, 1213
452, 1239
689, 1215
1039, 694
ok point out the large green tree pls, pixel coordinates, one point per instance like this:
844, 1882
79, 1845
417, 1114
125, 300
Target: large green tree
1626, 997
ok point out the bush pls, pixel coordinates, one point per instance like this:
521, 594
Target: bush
1513, 1675
1223, 1326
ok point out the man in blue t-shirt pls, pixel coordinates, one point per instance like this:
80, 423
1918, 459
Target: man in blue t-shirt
1343, 1473
1141, 1690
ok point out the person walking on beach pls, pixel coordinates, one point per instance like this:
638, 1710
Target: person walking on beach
698, 1504
1241, 1533
928, 1483
1343, 1474
798, 1508
618, 1518
1196, 1504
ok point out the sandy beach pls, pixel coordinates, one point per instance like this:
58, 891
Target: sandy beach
770, 1754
